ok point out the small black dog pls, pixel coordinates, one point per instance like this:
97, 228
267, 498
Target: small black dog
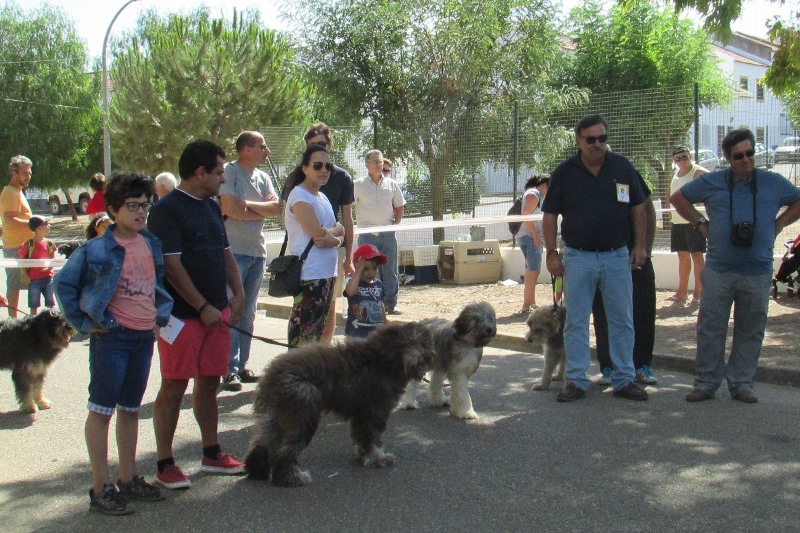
67, 248
27, 347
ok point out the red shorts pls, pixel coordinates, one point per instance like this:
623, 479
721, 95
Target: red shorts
198, 351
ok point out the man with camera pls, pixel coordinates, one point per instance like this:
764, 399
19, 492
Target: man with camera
742, 204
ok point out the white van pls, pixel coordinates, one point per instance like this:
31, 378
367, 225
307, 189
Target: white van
56, 201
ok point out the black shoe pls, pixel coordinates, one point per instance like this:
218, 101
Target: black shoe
247, 376
232, 383
745, 396
631, 391
570, 393
698, 395
109, 501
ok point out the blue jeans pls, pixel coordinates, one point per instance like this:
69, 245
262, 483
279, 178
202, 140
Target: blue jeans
251, 269
41, 287
584, 273
387, 244
721, 290
119, 366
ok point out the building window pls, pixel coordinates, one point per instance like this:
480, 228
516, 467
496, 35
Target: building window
760, 134
759, 92
743, 82
720, 136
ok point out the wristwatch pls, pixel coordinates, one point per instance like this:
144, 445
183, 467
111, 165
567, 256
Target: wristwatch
700, 221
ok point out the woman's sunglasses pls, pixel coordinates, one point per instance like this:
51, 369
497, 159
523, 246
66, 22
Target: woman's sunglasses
316, 165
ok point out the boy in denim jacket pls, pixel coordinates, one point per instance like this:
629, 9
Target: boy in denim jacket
113, 288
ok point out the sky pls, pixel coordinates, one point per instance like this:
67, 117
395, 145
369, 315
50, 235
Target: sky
92, 17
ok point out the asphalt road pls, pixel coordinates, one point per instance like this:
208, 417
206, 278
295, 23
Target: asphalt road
528, 464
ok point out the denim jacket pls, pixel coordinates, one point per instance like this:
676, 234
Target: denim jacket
86, 283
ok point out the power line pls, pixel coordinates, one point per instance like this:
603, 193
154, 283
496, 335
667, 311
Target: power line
43, 103
31, 61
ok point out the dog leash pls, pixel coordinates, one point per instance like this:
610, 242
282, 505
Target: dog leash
17, 310
558, 286
257, 337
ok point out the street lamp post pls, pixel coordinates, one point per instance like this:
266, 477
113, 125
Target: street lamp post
106, 136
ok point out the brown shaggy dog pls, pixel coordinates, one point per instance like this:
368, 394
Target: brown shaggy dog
27, 347
546, 327
459, 348
359, 380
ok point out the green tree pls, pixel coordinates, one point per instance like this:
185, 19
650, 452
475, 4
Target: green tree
50, 105
438, 78
183, 77
630, 51
783, 77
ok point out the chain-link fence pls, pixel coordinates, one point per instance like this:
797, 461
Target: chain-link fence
474, 163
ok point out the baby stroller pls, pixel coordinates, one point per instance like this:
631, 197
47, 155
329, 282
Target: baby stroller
788, 270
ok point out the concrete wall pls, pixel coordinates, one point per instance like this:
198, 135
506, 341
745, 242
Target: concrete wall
665, 265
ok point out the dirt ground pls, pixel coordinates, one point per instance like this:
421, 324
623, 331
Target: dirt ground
675, 321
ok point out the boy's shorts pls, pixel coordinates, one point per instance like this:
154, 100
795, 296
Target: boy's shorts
119, 366
41, 287
197, 351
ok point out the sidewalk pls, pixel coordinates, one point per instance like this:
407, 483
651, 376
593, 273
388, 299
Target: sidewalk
510, 336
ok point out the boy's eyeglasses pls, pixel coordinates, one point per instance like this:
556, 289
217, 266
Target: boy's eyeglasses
316, 165
135, 206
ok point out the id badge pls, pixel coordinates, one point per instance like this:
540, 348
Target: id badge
623, 193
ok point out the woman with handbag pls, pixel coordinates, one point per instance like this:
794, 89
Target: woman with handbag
309, 218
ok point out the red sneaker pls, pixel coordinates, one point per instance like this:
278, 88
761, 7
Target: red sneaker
223, 464
173, 478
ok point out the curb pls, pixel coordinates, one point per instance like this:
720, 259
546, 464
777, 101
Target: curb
774, 375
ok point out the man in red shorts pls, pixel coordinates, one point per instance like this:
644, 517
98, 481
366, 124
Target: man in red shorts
199, 267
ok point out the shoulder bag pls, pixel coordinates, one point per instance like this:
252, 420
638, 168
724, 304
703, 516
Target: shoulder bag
284, 272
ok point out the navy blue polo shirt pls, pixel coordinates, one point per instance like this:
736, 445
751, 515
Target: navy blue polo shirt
596, 210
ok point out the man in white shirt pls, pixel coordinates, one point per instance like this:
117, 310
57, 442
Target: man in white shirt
380, 202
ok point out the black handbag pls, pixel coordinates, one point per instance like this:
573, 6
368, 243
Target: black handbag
284, 272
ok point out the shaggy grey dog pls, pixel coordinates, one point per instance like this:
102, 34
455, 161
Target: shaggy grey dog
358, 379
459, 348
546, 327
27, 347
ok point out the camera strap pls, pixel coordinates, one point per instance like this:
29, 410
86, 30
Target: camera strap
753, 188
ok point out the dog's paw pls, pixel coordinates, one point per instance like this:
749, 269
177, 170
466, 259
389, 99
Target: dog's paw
377, 459
295, 478
469, 415
28, 408
408, 404
440, 401
44, 403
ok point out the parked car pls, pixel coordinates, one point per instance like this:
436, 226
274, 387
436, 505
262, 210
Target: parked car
707, 159
56, 201
788, 151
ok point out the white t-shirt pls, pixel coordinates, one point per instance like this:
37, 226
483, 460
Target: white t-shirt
321, 263
677, 183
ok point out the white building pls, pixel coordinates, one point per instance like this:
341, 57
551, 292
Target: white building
745, 60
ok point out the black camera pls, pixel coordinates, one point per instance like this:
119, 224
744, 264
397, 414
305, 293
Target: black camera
742, 234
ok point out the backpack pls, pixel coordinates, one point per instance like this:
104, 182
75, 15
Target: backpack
516, 209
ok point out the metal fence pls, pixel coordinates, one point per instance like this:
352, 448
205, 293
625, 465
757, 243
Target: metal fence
483, 158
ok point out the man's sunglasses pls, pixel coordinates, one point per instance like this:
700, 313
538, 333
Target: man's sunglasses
316, 165
591, 139
742, 155
680, 158
387, 171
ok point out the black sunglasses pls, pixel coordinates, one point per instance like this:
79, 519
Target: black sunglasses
324, 144
681, 158
741, 155
316, 165
591, 139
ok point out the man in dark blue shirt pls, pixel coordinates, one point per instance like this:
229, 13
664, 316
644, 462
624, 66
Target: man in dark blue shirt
599, 196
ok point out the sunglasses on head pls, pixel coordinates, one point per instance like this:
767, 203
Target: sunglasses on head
316, 165
591, 139
678, 158
742, 155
